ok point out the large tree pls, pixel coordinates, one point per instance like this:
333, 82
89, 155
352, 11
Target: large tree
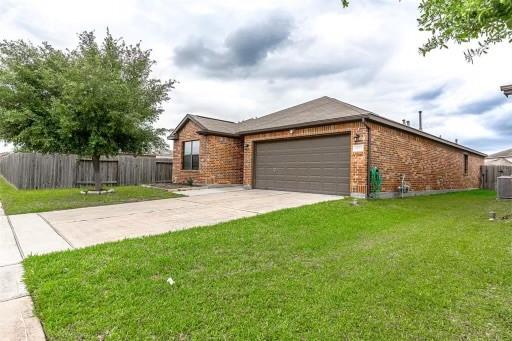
485, 22
96, 100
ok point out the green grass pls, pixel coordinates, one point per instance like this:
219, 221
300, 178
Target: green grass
418, 268
28, 201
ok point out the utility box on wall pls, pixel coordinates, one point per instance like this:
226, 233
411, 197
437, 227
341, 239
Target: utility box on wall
504, 187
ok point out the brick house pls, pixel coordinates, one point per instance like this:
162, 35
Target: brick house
321, 146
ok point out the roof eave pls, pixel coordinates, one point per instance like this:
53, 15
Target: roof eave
391, 123
216, 133
304, 125
185, 119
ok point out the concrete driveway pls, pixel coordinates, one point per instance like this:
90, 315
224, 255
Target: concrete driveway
93, 225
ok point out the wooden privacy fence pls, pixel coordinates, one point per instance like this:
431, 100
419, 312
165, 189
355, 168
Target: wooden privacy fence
34, 170
489, 174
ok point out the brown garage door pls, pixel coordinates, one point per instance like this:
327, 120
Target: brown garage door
314, 165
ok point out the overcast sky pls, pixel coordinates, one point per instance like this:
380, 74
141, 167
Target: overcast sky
240, 59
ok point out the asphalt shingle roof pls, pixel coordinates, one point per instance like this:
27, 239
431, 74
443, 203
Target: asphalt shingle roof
320, 109
503, 153
213, 124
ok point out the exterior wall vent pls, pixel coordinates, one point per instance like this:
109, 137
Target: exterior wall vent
504, 187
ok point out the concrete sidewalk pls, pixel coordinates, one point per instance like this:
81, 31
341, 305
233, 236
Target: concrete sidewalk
17, 321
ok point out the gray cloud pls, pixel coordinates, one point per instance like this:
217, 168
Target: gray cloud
482, 106
250, 45
195, 53
244, 48
308, 69
264, 49
501, 125
429, 95
489, 145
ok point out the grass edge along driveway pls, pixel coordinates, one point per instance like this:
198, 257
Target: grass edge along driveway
418, 268
16, 201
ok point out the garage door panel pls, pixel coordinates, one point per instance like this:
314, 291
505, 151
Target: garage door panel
313, 179
320, 160
300, 171
308, 158
310, 187
303, 150
306, 150
317, 165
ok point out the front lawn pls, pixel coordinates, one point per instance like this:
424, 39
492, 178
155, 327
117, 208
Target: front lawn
28, 201
418, 268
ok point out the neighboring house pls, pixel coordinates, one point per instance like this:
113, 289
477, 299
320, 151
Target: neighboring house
503, 158
320, 146
164, 153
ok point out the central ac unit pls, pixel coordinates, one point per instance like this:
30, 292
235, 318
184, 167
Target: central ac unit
504, 187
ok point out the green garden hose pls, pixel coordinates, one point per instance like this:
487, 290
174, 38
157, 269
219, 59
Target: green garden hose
375, 180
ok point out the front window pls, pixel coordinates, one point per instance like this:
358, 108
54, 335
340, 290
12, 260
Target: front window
191, 155
466, 164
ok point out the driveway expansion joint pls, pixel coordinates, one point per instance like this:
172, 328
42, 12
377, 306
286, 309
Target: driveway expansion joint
220, 206
14, 298
56, 231
15, 238
7, 265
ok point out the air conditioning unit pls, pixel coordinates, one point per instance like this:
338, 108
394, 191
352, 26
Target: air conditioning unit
504, 187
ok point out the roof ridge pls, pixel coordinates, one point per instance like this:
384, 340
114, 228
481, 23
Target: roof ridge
350, 105
294, 106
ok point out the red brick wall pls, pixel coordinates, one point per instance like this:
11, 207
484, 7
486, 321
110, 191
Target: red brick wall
358, 168
224, 160
427, 164
220, 158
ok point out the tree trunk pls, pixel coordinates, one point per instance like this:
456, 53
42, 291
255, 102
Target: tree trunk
97, 174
